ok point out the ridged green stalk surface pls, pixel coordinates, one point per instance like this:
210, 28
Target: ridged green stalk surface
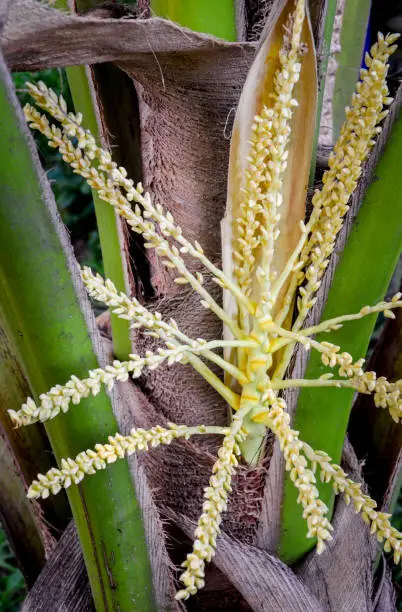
43, 311
210, 16
349, 60
361, 278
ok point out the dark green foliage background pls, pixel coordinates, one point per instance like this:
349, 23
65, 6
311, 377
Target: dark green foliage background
12, 585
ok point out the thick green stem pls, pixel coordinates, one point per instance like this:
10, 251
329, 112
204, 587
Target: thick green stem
41, 301
108, 225
109, 228
209, 16
362, 277
349, 60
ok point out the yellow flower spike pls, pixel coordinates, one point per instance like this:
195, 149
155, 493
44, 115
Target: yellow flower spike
352, 148
139, 317
111, 193
266, 119
90, 461
314, 510
269, 161
215, 496
59, 398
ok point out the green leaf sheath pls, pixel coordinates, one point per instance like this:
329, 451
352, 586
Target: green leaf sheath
19, 519
349, 59
362, 277
209, 16
108, 225
39, 293
23, 453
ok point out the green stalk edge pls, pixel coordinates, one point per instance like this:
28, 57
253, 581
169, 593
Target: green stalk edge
349, 60
362, 277
208, 16
107, 222
40, 300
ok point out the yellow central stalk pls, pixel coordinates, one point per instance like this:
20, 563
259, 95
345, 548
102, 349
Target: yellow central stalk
258, 363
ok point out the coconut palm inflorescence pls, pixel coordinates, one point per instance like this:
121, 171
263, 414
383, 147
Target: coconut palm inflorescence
258, 330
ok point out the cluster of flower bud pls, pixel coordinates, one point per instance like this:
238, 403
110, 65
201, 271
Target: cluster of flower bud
314, 510
99, 177
71, 123
267, 161
215, 503
59, 397
90, 461
139, 317
128, 308
330, 204
379, 521
56, 106
387, 394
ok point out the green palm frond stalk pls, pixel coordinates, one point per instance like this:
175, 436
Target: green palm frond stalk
353, 36
41, 304
110, 233
329, 20
217, 18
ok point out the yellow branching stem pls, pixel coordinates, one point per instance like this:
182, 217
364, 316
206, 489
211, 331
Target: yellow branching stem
267, 157
385, 307
258, 335
379, 521
302, 335
267, 165
90, 461
216, 498
59, 398
386, 394
314, 510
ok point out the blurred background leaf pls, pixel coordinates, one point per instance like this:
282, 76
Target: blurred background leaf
12, 586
